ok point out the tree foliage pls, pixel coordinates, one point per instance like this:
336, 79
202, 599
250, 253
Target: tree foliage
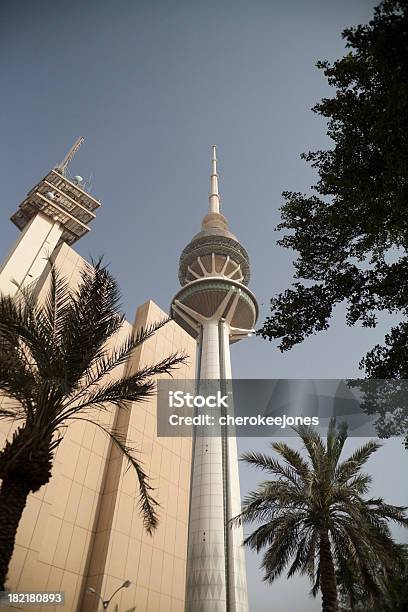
315, 516
351, 238
393, 596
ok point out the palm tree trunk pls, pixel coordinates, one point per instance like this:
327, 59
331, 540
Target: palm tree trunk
13, 498
328, 584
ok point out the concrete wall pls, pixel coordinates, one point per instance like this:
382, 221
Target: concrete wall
28, 257
122, 550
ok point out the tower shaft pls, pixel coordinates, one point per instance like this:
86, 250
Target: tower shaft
216, 579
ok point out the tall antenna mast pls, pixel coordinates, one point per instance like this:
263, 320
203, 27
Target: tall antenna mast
62, 167
214, 193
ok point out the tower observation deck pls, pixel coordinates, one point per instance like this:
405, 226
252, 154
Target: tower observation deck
215, 306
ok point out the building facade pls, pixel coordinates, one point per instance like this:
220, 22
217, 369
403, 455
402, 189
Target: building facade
83, 530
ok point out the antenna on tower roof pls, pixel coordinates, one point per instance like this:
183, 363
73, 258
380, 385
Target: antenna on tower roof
62, 167
215, 204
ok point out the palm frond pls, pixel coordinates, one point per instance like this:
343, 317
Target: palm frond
313, 444
306, 551
17, 380
136, 387
282, 547
56, 302
19, 325
147, 504
336, 438
109, 360
351, 466
316, 582
12, 415
89, 320
294, 459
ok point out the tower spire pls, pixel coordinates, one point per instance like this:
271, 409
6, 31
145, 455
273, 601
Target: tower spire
214, 197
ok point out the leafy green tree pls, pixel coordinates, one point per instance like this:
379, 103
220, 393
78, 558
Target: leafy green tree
55, 367
397, 586
315, 515
351, 236
393, 596
387, 399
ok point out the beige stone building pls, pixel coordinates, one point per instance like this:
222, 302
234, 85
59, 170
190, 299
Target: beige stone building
84, 528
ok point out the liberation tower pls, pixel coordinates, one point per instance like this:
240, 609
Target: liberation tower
215, 306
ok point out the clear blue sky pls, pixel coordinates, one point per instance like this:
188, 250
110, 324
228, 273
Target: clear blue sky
151, 85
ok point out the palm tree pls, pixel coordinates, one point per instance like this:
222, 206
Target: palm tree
55, 367
315, 515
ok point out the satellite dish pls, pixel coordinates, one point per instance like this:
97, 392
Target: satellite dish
78, 179
50, 195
